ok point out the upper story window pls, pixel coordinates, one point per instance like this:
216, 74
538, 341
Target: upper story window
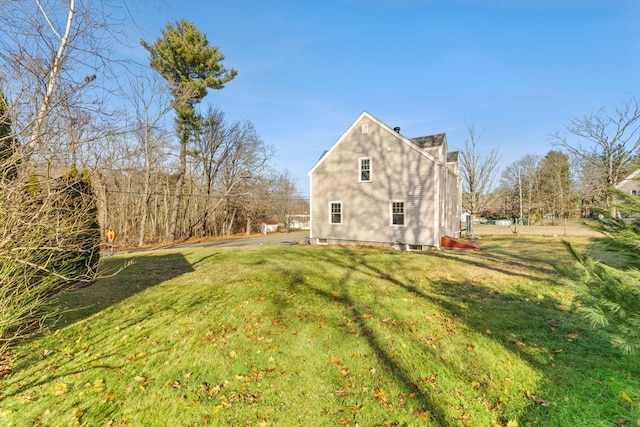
335, 212
365, 170
397, 213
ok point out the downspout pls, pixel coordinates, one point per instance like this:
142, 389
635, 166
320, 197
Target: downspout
436, 204
310, 207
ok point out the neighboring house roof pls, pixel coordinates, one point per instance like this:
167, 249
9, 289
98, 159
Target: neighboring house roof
453, 156
435, 140
633, 176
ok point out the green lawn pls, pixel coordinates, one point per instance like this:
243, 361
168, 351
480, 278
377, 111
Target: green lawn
325, 336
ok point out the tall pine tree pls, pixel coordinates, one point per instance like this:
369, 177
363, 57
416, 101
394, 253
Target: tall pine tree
184, 58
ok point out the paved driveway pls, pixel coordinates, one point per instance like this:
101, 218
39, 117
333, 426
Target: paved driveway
293, 238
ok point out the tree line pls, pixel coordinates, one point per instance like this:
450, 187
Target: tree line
88, 143
573, 180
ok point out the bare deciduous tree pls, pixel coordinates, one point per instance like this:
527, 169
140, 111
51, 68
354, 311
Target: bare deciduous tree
478, 173
521, 179
151, 106
608, 141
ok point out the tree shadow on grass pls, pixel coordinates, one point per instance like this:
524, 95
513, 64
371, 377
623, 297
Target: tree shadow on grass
579, 365
143, 272
95, 348
358, 318
537, 329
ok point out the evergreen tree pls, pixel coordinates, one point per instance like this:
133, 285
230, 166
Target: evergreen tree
184, 58
77, 216
49, 243
608, 287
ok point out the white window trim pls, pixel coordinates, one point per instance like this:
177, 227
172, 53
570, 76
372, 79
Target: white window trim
333, 202
365, 128
404, 213
360, 169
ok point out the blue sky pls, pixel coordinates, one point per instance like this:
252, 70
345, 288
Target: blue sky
518, 70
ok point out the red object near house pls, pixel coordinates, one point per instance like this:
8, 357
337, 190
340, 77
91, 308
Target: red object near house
455, 243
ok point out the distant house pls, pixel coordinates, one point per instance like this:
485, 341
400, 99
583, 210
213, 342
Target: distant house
377, 187
631, 184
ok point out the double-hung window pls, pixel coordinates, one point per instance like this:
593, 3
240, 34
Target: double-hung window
397, 213
335, 212
364, 169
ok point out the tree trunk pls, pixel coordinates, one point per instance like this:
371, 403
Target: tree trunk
182, 170
51, 81
146, 197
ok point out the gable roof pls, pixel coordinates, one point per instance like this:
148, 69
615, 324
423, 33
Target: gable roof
631, 177
429, 141
417, 147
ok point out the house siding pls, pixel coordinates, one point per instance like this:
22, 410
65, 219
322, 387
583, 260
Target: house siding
399, 172
630, 184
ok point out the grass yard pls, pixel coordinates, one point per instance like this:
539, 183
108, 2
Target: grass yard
325, 336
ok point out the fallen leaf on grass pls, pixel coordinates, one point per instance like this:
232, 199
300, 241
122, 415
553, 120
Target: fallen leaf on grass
340, 392
143, 382
424, 415
109, 397
626, 397
98, 386
27, 397
536, 399
379, 395
59, 388
75, 417
136, 356
358, 407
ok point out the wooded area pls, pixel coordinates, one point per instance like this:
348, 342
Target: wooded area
70, 103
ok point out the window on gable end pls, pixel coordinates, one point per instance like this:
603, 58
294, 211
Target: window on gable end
364, 169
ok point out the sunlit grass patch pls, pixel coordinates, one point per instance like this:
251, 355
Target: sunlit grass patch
325, 336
